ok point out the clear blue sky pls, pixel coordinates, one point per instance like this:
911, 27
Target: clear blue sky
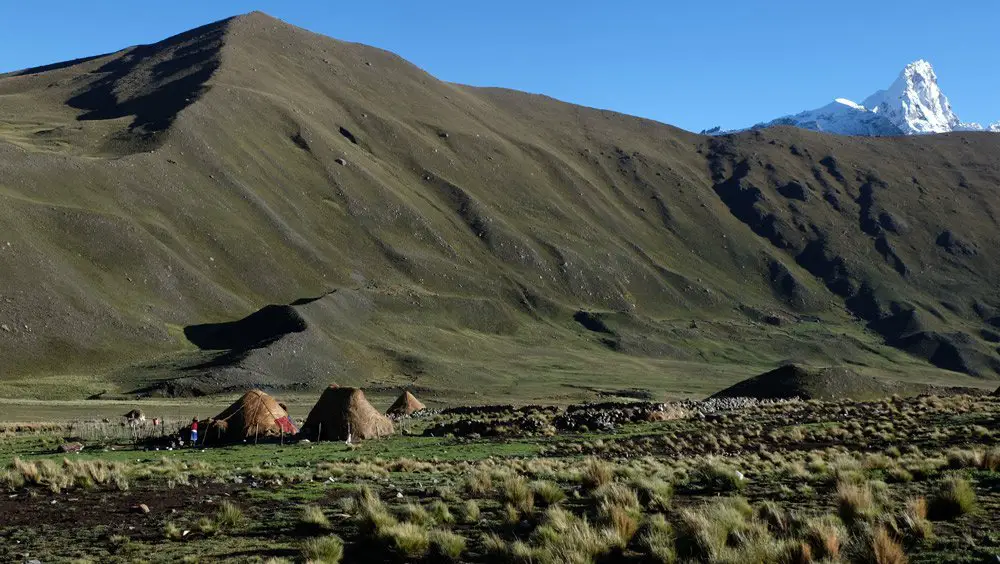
694, 64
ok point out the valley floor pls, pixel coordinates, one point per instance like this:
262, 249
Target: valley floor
886, 481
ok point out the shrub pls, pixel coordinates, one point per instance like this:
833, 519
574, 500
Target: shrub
446, 544
406, 540
326, 549
954, 497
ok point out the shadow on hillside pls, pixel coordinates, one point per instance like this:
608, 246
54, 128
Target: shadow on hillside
155, 82
254, 331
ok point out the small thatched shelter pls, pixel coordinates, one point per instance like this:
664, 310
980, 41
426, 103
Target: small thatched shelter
407, 404
255, 415
343, 414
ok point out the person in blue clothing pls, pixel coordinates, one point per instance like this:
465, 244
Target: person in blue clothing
194, 431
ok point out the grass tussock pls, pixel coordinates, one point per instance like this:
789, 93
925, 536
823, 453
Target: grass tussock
717, 476
547, 493
824, 537
406, 540
229, 516
885, 549
312, 519
446, 545
596, 473
954, 498
517, 493
469, 512
855, 503
328, 549
657, 540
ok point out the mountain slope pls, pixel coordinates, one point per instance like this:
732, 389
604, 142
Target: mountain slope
463, 241
913, 104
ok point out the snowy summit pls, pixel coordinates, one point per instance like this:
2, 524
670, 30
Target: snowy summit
913, 104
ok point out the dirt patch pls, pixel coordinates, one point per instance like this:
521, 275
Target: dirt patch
114, 509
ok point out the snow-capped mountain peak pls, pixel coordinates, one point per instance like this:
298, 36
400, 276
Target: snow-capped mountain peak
913, 104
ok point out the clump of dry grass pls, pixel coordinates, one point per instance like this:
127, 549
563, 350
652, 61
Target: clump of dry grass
229, 516
596, 473
416, 514
653, 493
469, 512
717, 476
548, 493
855, 503
955, 497
563, 537
657, 540
913, 523
446, 545
885, 549
84, 474
824, 537
515, 491
407, 540
725, 531
312, 519
440, 513
372, 514
326, 549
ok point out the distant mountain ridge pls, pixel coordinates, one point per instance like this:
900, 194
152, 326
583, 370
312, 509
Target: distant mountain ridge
913, 104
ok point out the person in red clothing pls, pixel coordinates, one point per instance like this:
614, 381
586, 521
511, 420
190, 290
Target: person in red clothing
194, 431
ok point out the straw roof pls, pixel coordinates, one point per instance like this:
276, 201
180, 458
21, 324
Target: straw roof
254, 415
407, 404
342, 413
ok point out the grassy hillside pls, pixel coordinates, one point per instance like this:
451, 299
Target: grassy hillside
472, 243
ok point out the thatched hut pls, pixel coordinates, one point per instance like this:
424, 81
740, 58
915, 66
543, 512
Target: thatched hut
255, 415
343, 414
407, 404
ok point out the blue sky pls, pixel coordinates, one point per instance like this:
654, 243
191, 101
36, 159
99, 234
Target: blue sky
691, 64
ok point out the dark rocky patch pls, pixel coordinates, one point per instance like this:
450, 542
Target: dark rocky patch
793, 190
